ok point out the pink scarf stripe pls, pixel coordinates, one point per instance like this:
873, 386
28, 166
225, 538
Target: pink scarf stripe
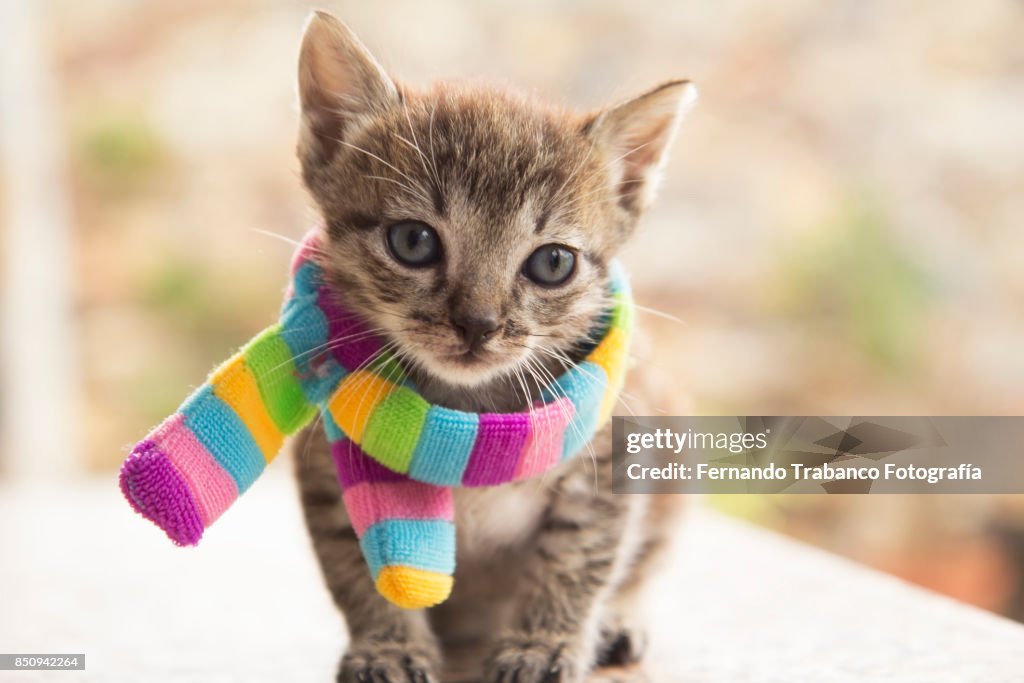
369, 503
309, 248
213, 488
547, 428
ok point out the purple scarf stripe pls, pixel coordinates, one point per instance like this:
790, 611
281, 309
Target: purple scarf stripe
159, 493
355, 467
500, 440
357, 346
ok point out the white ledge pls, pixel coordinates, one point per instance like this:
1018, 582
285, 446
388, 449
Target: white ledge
750, 605
81, 573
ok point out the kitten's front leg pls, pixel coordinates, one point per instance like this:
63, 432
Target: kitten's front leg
387, 644
553, 638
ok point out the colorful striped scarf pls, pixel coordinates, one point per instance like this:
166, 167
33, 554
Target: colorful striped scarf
397, 456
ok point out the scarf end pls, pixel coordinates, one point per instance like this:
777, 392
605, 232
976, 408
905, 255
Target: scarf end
413, 588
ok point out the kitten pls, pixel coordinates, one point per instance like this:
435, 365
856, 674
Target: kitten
473, 229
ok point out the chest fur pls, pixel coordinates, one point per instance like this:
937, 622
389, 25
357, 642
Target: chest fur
492, 519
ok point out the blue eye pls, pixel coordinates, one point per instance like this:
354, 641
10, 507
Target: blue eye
414, 244
551, 265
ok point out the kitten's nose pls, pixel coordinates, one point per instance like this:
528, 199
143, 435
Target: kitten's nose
475, 330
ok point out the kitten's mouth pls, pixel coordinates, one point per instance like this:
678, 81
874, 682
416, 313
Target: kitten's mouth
474, 365
466, 367
470, 358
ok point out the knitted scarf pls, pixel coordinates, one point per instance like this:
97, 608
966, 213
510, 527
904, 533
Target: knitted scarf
396, 455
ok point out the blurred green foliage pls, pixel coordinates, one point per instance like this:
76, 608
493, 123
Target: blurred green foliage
203, 317
176, 288
158, 389
217, 314
117, 151
854, 280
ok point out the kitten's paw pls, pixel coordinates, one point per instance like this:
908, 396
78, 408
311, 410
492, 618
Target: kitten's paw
534, 659
375, 662
621, 644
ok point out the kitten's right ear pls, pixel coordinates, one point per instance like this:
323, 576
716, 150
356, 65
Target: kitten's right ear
339, 83
637, 135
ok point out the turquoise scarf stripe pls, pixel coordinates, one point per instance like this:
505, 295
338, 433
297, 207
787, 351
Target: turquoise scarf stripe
444, 447
224, 435
427, 544
584, 385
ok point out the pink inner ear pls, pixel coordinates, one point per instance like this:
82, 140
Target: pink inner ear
643, 145
647, 144
638, 133
338, 78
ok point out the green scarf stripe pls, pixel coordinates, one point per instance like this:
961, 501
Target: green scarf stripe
394, 429
271, 362
622, 312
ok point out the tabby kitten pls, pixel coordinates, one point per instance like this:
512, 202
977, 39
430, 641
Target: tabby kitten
473, 229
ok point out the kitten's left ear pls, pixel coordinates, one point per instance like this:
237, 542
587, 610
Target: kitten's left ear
339, 83
636, 136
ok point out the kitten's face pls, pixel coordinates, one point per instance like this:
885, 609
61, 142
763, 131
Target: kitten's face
473, 229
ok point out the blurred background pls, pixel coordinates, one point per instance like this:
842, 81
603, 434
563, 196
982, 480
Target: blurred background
839, 233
